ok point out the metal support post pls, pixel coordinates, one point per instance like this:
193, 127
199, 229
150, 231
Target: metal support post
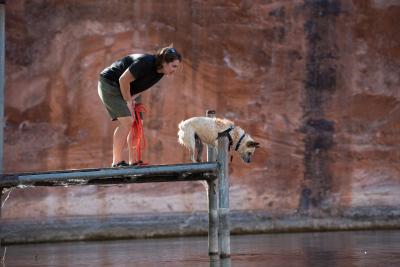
223, 176
212, 202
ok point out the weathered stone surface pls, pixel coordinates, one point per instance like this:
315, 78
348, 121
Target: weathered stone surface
315, 82
178, 224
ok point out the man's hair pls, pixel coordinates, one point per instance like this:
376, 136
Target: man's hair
167, 54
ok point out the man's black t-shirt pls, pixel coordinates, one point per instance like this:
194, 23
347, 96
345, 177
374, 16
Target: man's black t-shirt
142, 67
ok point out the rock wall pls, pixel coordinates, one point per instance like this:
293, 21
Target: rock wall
315, 82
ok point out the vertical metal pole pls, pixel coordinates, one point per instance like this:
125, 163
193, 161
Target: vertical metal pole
2, 53
1, 228
212, 202
224, 225
2, 81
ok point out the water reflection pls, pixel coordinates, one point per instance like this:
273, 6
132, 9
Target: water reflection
225, 262
333, 249
215, 261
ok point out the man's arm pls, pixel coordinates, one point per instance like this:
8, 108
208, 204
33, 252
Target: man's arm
124, 83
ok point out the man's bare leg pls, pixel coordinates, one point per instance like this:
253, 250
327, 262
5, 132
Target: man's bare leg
120, 136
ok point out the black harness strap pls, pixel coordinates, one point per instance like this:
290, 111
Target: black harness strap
226, 132
240, 140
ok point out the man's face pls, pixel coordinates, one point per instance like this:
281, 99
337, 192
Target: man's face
170, 68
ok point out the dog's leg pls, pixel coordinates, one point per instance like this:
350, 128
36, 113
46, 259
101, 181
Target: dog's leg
191, 152
199, 148
186, 137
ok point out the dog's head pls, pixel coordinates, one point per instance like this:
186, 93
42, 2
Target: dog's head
247, 148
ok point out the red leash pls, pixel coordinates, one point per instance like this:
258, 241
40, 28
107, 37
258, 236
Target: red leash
137, 133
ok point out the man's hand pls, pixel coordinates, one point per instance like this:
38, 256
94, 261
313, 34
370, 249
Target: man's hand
131, 106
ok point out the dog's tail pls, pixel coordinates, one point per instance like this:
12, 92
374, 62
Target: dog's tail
186, 135
181, 133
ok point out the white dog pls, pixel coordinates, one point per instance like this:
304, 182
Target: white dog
194, 131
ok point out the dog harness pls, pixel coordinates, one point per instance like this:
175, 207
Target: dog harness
240, 140
227, 132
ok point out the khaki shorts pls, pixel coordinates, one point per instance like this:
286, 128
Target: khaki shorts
112, 99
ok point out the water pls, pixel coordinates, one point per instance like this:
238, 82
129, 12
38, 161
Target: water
329, 249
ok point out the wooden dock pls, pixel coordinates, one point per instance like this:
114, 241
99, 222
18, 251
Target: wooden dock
214, 172
126, 175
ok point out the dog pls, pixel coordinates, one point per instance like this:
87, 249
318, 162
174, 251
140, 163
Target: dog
195, 131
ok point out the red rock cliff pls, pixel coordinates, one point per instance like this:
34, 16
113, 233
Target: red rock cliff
315, 82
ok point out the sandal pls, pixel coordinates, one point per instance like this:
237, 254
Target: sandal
120, 164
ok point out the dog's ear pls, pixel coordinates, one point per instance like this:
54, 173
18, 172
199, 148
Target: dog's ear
253, 144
